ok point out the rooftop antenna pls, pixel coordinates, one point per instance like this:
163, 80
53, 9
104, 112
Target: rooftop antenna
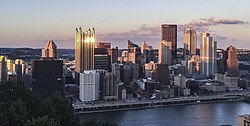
50, 35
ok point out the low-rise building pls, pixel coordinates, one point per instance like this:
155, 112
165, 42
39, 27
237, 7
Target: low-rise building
214, 87
231, 83
185, 92
180, 81
244, 120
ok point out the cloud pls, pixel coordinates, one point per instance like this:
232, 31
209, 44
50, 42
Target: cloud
142, 33
152, 35
203, 24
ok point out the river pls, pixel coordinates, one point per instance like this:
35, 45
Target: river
213, 114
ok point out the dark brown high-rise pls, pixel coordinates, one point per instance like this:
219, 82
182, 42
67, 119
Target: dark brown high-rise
232, 61
169, 33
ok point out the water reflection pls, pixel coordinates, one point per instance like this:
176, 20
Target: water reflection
191, 115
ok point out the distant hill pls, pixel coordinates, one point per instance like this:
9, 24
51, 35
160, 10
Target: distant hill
30, 53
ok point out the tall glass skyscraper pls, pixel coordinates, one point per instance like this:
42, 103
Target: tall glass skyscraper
169, 33
232, 61
190, 38
84, 50
208, 54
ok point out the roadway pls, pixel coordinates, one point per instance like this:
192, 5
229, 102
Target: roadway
109, 105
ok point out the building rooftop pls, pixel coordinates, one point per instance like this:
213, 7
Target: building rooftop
50, 45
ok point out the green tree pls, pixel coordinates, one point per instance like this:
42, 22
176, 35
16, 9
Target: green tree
16, 114
59, 108
95, 123
42, 121
16, 104
19, 104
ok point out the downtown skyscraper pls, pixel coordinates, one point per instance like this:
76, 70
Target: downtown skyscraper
165, 52
87, 78
190, 40
208, 48
47, 73
169, 33
50, 50
84, 50
232, 61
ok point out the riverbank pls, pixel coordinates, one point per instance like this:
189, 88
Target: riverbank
122, 106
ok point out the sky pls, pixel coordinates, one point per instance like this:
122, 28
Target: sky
31, 23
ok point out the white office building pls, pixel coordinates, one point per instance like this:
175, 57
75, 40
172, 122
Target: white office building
180, 81
89, 86
165, 54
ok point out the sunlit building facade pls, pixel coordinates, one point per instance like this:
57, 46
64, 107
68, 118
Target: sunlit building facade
194, 64
232, 61
50, 51
165, 52
208, 54
190, 40
144, 46
134, 53
3, 68
84, 50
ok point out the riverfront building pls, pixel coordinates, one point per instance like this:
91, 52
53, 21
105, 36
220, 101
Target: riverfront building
180, 81
89, 86
110, 90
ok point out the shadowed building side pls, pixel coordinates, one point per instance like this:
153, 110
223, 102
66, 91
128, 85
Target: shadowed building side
169, 33
47, 73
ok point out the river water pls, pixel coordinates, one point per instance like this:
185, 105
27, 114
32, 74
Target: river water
213, 114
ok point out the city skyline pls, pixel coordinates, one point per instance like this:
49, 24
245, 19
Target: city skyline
124, 63
31, 24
